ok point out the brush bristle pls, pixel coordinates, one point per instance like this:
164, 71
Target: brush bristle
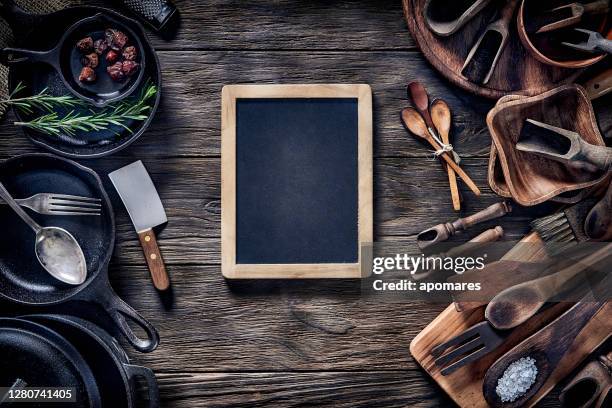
556, 232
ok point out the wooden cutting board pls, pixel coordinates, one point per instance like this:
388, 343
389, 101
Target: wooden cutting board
464, 386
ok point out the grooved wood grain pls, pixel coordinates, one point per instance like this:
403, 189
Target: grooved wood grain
276, 343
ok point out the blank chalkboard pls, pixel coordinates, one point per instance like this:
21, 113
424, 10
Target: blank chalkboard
296, 180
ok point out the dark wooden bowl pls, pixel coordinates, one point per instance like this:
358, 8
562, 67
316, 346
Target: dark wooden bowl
547, 48
531, 179
518, 72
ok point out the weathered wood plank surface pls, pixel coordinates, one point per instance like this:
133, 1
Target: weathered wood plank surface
287, 24
286, 343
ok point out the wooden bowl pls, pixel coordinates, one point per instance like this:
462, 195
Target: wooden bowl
547, 47
518, 72
496, 179
531, 179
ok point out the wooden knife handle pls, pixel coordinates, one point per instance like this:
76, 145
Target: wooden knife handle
154, 259
600, 85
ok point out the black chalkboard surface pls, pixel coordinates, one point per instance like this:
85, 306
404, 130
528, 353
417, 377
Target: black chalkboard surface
296, 181
297, 200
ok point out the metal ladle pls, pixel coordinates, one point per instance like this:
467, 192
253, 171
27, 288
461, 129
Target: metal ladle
56, 249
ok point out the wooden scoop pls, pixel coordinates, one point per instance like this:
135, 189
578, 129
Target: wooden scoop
491, 43
589, 384
444, 231
519, 303
470, 247
562, 145
413, 121
572, 14
446, 28
547, 347
598, 223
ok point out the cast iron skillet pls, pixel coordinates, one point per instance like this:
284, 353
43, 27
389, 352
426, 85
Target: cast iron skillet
42, 358
65, 58
22, 279
115, 376
42, 32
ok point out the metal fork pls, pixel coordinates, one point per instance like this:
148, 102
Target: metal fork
61, 204
469, 346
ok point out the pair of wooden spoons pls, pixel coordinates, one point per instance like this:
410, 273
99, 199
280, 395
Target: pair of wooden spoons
421, 123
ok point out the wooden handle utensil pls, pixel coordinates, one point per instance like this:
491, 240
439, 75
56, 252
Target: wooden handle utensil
547, 347
154, 259
441, 115
419, 96
442, 232
600, 85
598, 222
490, 235
519, 303
414, 122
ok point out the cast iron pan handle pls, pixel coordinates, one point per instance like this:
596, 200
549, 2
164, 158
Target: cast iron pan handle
134, 371
19, 55
121, 312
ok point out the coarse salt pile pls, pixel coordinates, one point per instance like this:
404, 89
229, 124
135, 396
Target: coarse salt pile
517, 379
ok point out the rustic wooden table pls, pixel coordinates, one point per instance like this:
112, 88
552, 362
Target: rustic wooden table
286, 343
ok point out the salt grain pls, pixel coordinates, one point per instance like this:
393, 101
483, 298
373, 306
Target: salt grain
517, 379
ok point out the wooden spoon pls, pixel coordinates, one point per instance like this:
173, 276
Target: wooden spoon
421, 102
414, 122
519, 303
598, 223
547, 347
441, 116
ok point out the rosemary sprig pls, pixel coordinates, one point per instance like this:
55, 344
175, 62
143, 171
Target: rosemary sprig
56, 123
41, 101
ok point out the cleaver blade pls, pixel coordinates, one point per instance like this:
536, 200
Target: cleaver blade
145, 208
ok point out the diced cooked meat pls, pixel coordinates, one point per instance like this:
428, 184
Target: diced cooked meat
115, 39
87, 75
116, 71
85, 45
90, 60
112, 56
130, 67
100, 46
129, 53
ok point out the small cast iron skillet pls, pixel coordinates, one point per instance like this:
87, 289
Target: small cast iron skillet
22, 279
42, 31
42, 358
65, 58
115, 376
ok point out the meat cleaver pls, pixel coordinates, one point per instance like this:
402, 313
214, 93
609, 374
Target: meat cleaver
140, 197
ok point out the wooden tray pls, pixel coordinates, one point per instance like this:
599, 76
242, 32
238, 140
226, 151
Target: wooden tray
464, 386
517, 71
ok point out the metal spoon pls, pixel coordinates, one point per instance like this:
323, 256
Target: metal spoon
56, 249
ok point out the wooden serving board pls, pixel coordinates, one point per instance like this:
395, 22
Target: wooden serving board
464, 386
517, 71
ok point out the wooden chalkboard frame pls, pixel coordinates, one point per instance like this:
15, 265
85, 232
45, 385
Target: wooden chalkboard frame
230, 94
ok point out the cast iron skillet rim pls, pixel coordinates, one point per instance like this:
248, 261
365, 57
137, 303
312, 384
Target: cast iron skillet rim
59, 342
107, 257
127, 369
131, 137
94, 337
